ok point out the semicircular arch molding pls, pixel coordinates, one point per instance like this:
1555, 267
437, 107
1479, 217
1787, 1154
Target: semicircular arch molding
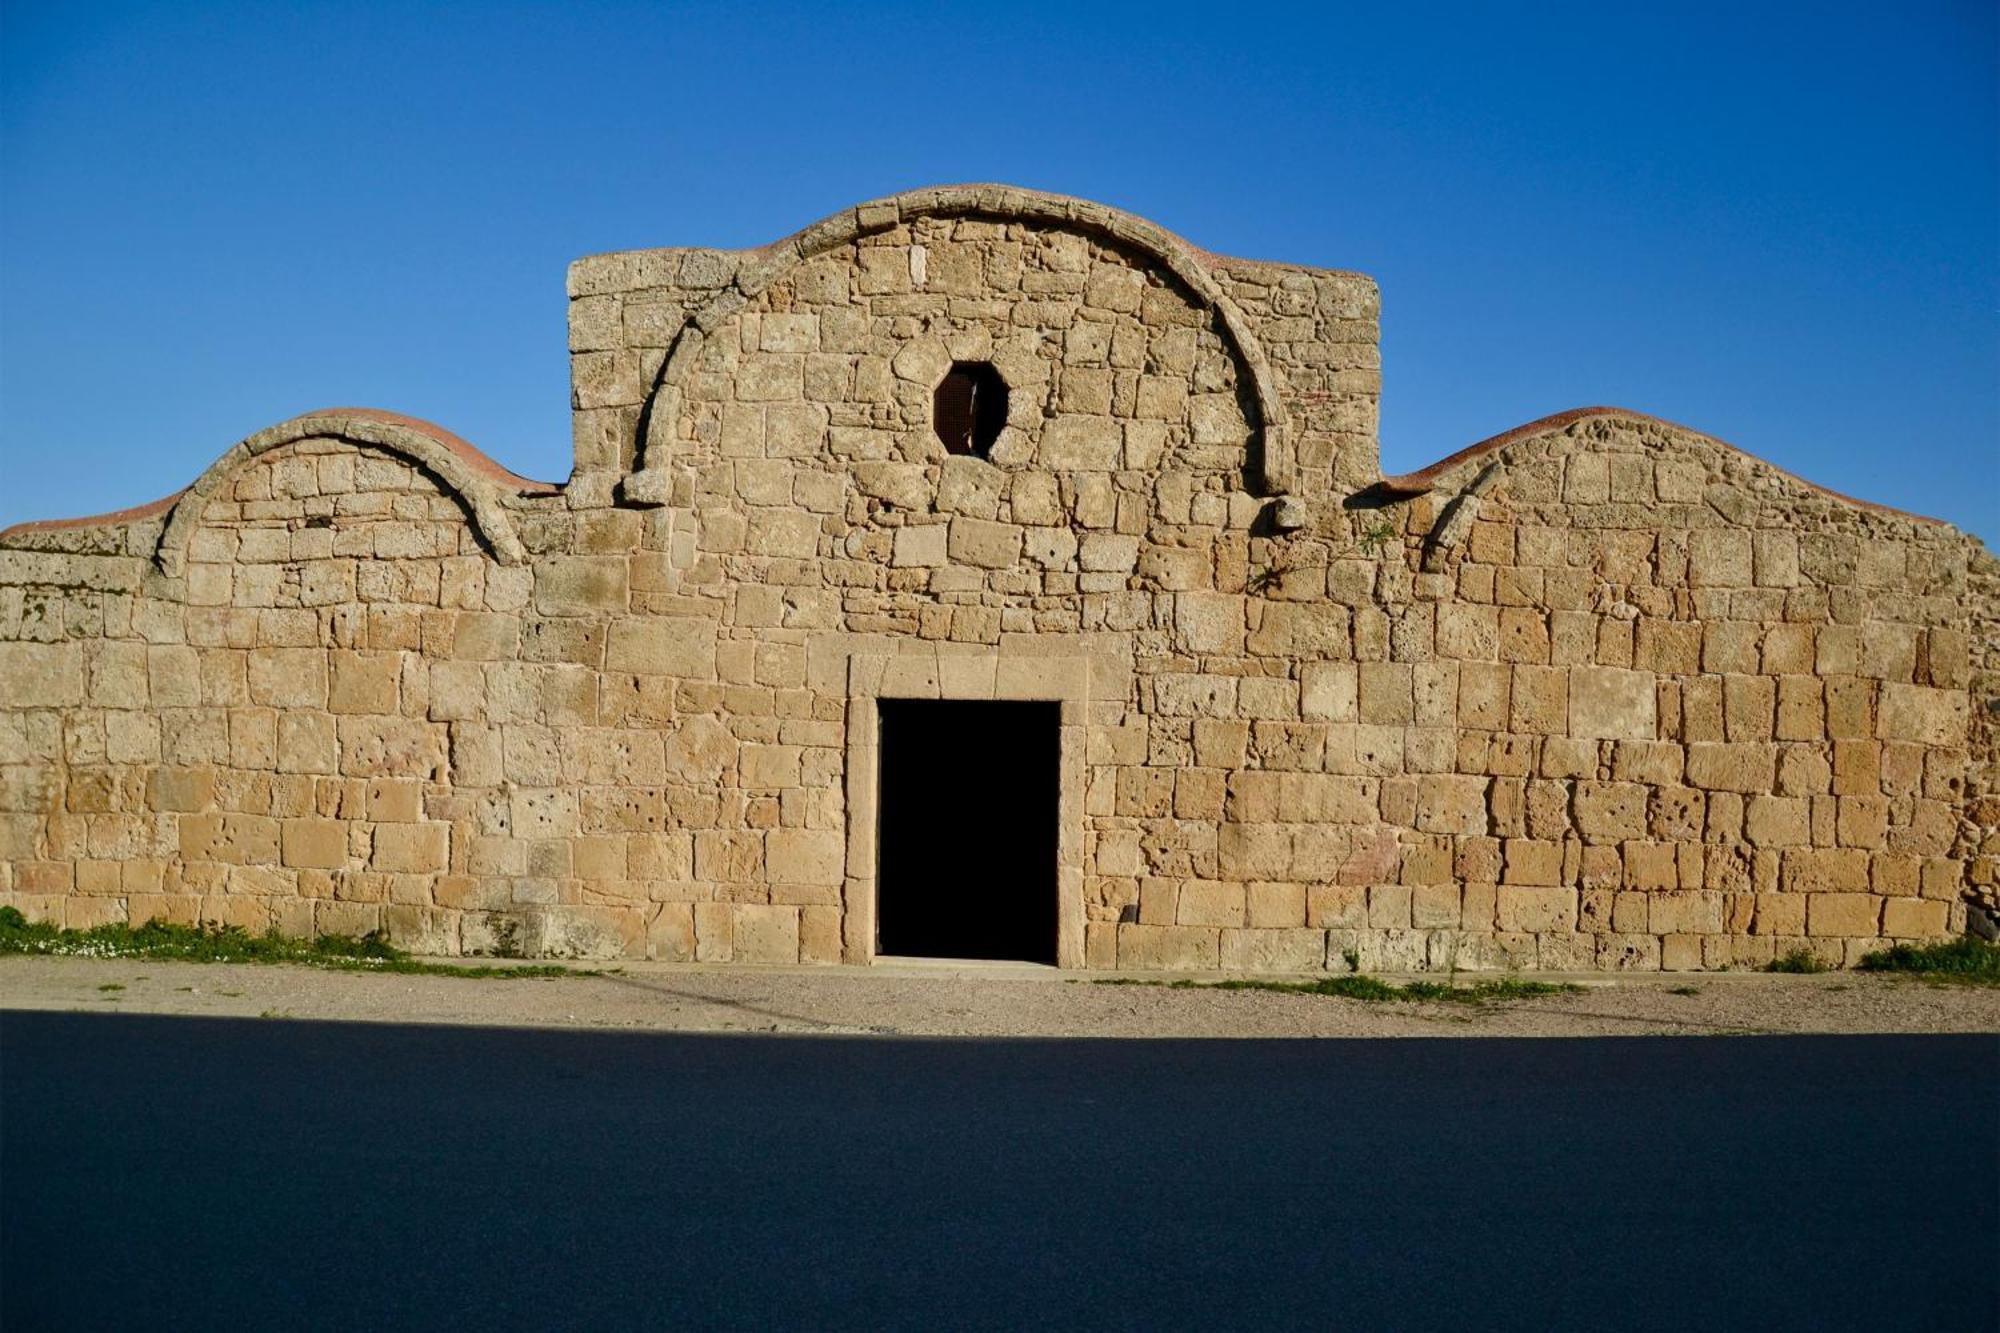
651, 483
459, 470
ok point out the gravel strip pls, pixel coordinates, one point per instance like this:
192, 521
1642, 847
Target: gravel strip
960, 1000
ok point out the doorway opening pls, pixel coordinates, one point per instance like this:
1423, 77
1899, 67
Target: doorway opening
966, 855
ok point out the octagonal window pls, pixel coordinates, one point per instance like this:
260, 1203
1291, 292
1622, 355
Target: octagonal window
970, 408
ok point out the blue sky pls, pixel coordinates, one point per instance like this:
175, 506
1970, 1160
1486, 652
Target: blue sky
1777, 224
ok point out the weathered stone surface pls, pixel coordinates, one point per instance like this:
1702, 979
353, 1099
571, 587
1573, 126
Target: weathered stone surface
1605, 694
1607, 703
682, 646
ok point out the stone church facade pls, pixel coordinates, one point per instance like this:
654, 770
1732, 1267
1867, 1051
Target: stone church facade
1600, 692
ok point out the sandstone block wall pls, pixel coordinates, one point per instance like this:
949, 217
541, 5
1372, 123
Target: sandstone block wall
1602, 692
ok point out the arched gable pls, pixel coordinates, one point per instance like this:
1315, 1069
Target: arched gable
1461, 479
650, 483
461, 470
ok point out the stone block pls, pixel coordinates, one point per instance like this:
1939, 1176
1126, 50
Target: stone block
1685, 911
1220, 743
1168, 948
1915, 918
765, 934
1748, 767
233, 839
1341, 906
319, 844
1843, 914
1606, 703
1274, 904
670, 934
920, 546
1272, 950
988, 545
1611, 811
1082, 444
1923, 715
1452, 803
480, 636
1254, 851
412, 848
1106, 553
41, 675
681, 646
714, 932
819, 934
1777, 821
1436, 906
1528, 861
1385, 693
1329, 691
1208, 623
1536, 909
807, 856
1824, 870
1302, 629
180, 789
1383, 951
1721, 557
288, 677
363, 682
580, 585
1209, 903
1540, 700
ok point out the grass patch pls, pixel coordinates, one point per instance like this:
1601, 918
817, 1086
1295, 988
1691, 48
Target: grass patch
158, 940
1798, 960
1362, 987
1965, 961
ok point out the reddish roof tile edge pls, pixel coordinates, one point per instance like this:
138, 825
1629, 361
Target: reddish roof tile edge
1422, 481
467, 453
1207, 258
112, 519
472, 456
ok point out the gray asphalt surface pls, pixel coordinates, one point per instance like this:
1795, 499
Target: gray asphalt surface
170, 1173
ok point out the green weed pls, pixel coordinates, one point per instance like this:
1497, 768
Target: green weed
1798, 960
1965, 961
231, 944
1377, 537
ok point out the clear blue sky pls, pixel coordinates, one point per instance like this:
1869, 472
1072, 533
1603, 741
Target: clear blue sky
1778, 224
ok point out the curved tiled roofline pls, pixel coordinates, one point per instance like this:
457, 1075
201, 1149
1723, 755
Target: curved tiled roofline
1189, 265
114, 518
1209, 258
476, 479
475, 460
1424, 480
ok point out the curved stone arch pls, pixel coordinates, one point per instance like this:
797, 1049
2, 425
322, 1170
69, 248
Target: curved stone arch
472, 478
651, 482
1466, 476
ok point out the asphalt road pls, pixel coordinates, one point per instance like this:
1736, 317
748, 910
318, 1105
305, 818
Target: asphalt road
236, 1174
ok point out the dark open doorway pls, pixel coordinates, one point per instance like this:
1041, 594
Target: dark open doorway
967, 849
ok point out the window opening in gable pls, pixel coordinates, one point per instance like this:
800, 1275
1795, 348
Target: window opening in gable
970, 408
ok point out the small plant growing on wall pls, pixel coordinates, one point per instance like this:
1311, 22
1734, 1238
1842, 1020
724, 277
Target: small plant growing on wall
1377, 538
1263, 580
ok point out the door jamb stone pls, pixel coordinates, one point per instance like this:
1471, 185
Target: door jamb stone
1062, 679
